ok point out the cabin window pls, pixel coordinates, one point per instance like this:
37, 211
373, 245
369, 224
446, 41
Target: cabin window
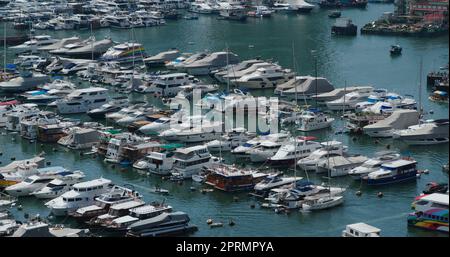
99, 100
275, 78
437, 205
75, 103
256, 79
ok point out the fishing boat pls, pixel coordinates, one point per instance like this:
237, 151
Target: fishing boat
393, 172
431, 213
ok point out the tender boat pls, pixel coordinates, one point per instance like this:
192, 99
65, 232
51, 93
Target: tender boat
395, 50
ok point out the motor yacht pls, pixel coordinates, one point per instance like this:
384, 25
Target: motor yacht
313, 119
229, 141
373, 164
124, 53
264, 78
82, 194
82, 100
329, 149
349, 100
162, 58
295, 149
399, 119
430, 132
116, 104
57, 187
191, 160
211, 62
34, 43
268, 148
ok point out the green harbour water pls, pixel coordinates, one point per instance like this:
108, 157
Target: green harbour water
360, 60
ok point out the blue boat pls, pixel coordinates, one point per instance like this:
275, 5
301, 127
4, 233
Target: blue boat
393, 172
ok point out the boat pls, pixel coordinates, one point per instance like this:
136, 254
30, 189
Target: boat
230, 178
163, 224
162, 58
59, 44
340, 165
430, 132
361, 230
82, 100
49, 92
37, 179
398, 120
121, 225
80, 138
313, 119
57, 187
40, 229
159, 163
268, 147
211, 62
268, 77
34, 43
431, 213
303, 87
140, 115
294, 150
8, 226
168, 84
232, 70
232, 11
329, 149
116, 104
439, 96
102, 203
433, 187
335, 94
115, 211
83, 194
95, 48
124, 53
393, 172
201, 7
260, 11
321, 203
25, 82
395, 50
345, 27
343, 3
334, 14
229, 141
191, 160
205, 132
19, 113
272, 181
373, 164
349, 100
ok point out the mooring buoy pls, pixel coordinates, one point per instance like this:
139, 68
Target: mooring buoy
380, 194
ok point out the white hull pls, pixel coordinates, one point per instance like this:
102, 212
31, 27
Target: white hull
381, 133
63, 108
315, 126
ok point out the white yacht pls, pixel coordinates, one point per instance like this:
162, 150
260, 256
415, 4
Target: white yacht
303, 87
349, 100
322, 203
264, 78
82, 100
23, 83
211, 62
116, 104
34, 43
335, 94
293, 6
236, 74
231, 140
340, 165
61, 43
268, 148
122, 113
194, 135
82, 194
57, 187
135, 116
273, 181
313, 119
202, 7
233, 70
157, 163
161, 58
190, 161
295, 149
373, 164
430, 132
169, 84
116, 146
41, 179
329, 149
124, 53
161, 124
399, 119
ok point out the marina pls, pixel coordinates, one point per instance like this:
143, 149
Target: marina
93, 133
